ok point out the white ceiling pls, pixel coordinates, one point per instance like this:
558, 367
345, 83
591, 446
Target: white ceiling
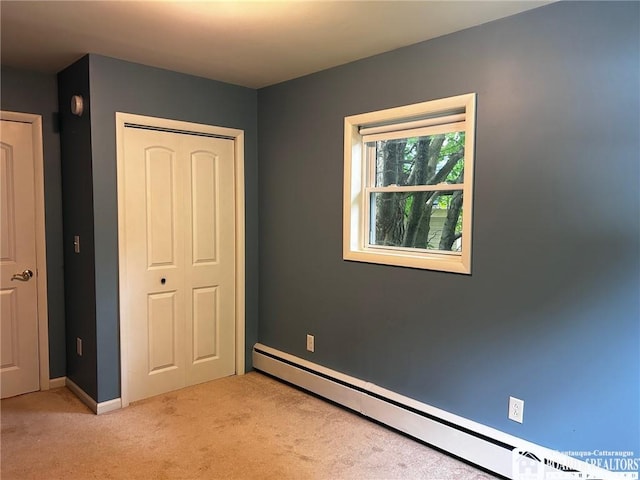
254, 44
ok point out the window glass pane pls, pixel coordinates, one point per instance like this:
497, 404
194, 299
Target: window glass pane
426, 220
426, 160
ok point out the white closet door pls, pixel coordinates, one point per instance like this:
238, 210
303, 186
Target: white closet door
180, 254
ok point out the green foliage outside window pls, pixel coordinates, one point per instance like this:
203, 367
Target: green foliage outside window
424, 219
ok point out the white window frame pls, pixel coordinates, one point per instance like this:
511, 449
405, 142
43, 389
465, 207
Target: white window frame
422, 117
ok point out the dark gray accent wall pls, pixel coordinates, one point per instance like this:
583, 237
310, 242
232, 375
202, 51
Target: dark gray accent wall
118, 86
36, 93
77, 196
551, 312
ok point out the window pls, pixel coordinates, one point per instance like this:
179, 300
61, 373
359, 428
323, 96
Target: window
408, 179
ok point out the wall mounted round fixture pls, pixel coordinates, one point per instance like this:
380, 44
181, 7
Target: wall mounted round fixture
77, 105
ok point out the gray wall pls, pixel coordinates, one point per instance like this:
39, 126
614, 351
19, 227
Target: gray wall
77, 198
551, 312
126, 87
29, 92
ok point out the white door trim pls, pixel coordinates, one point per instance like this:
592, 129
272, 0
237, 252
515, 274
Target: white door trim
41, 247
238, 137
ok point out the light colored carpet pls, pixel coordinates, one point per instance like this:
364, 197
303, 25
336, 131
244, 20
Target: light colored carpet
244, 427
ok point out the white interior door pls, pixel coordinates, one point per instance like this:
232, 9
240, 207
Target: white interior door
19, 368
180, 259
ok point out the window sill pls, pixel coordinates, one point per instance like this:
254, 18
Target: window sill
443, 263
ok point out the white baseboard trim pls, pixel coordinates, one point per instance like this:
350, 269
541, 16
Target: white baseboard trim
57, 382
484, 446
97, 408
109, 406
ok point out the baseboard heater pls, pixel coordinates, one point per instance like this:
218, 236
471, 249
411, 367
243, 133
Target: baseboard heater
483, 446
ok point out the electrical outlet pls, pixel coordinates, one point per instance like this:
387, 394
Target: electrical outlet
79, 346
311, 343
516, 409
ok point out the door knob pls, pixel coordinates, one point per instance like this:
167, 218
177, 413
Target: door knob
23, 277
